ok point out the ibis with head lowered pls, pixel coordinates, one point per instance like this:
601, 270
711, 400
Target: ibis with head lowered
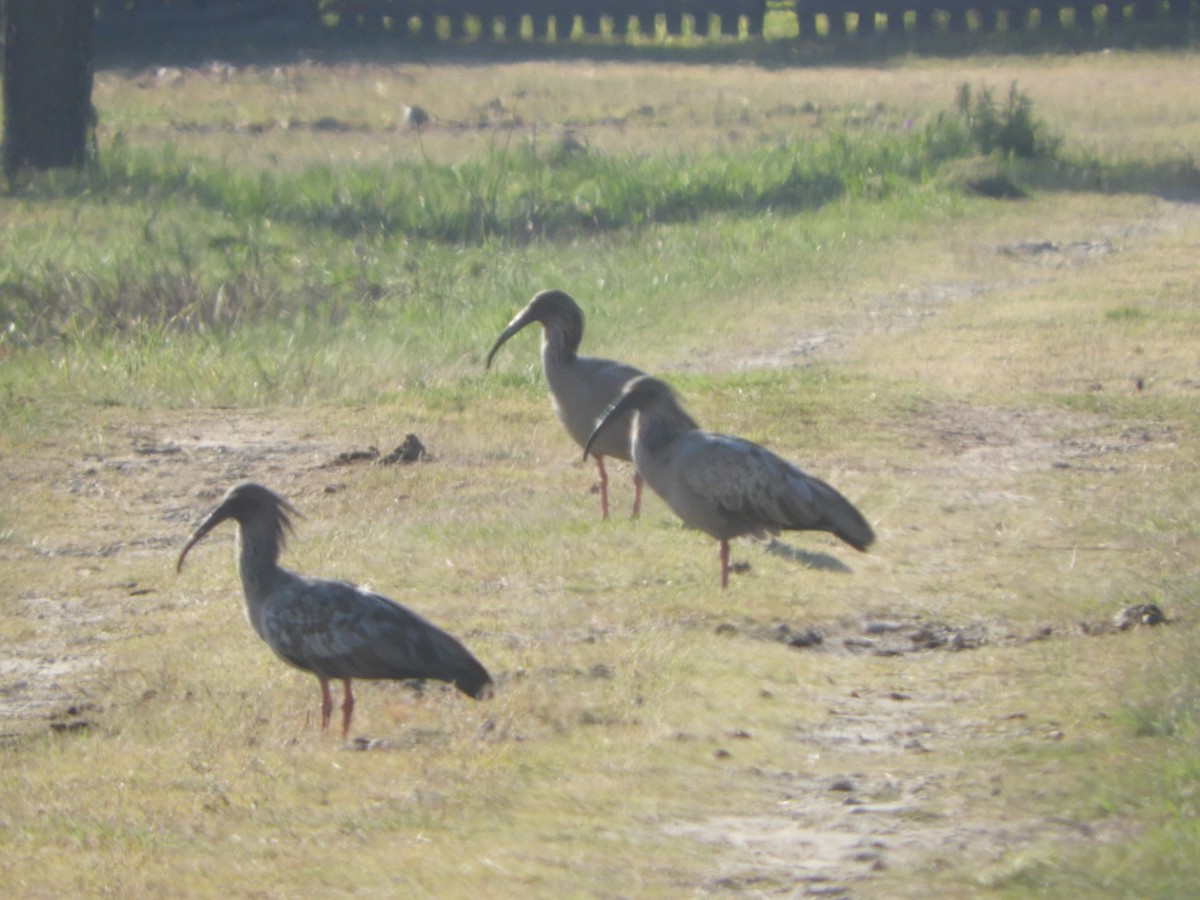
722, 485
332, 629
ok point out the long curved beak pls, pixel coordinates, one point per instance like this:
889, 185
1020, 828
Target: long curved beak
215, 518
519, 322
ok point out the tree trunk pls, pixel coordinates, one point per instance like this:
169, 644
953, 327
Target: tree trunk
48, 115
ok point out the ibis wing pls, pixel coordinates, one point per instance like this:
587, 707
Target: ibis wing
744, 482
337, 630
762, 493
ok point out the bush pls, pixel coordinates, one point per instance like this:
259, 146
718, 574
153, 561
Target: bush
1012, 130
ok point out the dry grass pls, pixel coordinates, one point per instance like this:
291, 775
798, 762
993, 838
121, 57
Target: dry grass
1111, 104
652, 735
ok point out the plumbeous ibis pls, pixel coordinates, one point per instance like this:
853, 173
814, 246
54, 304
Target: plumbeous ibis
330, 628
581, 387
725, 486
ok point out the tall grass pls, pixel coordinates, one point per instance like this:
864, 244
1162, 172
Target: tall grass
203, 245
531, 190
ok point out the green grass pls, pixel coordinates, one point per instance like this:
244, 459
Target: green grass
201, 245
808, 273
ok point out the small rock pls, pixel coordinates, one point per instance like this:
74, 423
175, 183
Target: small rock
349, 457
570, 145
881, 627
165, 75
412, 450
415, 116
1139, 614
330, 123
810, 637
927, 639
1029, 248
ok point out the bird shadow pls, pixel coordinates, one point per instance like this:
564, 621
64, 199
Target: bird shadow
822, 561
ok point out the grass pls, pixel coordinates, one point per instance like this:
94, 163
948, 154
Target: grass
218, 300
167, 272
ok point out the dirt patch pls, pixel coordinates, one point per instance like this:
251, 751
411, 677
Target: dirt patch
884, 637
871, 801
904, 634
897, 312
834, 837
978, 441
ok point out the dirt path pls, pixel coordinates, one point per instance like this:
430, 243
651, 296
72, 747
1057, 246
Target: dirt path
879, 789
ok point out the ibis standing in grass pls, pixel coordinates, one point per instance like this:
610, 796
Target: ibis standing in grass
725, 486
330, 628
581, 387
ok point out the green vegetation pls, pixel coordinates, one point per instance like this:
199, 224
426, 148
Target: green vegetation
1006, 389
213, 247
1011, 129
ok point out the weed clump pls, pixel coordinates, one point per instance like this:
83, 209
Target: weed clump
1009, 128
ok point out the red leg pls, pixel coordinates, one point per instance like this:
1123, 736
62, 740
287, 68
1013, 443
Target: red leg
637, 494
347, 707
603, 486
326, 704
724, 564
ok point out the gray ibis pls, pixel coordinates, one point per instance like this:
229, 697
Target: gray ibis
581, 387
722, 485
332, 629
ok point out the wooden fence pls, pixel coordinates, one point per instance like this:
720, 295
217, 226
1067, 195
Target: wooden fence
570, 19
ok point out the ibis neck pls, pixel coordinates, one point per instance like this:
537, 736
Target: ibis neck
658, 427
561, 339
258, 563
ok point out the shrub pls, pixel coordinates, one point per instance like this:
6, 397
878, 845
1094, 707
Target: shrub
1010, 129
